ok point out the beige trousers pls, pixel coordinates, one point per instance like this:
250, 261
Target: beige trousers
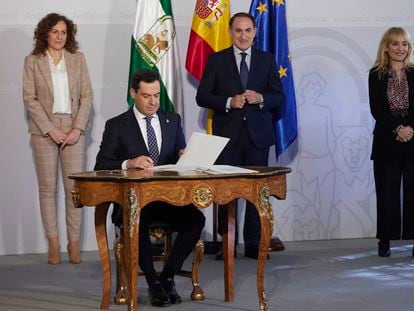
47, 156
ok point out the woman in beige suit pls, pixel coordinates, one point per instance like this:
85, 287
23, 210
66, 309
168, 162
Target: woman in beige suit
58, 96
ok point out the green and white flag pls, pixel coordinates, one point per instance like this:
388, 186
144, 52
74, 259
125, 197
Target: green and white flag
153, 46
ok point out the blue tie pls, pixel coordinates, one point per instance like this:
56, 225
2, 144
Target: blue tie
152, 141
244, 71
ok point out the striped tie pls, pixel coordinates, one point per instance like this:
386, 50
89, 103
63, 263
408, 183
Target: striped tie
152, 141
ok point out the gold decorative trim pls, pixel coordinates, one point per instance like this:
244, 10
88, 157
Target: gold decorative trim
263, 303
75, 196
132, 210
265, 205
203, 197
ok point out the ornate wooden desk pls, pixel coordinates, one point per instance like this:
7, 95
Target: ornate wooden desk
133, 189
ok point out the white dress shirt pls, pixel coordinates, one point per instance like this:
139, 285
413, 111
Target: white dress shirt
142, 123
237, 55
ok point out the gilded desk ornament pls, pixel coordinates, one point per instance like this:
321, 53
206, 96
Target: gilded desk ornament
263, 304
202, 197
133, 210
265, 205
75, 196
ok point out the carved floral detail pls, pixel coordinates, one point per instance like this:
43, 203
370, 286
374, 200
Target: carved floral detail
203, 196
132, 210
265, 205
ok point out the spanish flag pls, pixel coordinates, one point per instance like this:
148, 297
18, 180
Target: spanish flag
209, 34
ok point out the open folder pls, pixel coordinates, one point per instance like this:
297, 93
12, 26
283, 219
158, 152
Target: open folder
200, 154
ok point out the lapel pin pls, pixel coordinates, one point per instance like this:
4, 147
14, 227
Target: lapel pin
168, 121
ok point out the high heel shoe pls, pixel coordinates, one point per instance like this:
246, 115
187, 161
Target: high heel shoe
74, 252
384, 248
53, 251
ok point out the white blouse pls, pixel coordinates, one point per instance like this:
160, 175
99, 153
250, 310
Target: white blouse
61, 102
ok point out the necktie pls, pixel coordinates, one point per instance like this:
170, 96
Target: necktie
152, 141
244, 71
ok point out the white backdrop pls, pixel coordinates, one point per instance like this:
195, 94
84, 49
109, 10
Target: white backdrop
333, 45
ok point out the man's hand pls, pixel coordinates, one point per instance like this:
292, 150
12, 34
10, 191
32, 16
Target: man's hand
57, 136
252, 97
142, 162
238, 101
72, 137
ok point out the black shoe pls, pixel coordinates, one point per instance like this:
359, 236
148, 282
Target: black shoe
384, 248
220, 256
276, 245
169, 287
252, 252
157, 295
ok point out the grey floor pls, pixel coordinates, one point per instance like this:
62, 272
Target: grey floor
312, 276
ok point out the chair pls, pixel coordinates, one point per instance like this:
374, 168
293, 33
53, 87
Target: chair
163, 241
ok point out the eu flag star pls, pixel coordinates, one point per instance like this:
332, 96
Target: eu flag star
262, 8
282, 72
279, 2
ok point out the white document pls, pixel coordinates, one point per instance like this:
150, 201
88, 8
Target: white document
200, 154
202, 149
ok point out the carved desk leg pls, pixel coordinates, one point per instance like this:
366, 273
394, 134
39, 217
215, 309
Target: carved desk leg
228, 249
100, 230
197, 293
266, 220
121, 288
131, 213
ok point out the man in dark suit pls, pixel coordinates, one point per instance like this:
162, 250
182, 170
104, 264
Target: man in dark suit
140, 138
242, 86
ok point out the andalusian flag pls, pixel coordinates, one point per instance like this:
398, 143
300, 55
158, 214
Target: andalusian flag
153, 46
209, 34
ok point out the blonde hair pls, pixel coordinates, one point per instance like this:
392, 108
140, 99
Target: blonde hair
382, 63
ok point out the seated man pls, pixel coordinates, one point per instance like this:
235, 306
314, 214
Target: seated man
140, 138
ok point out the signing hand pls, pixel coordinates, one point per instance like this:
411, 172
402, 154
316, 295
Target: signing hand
142, 162
57, 136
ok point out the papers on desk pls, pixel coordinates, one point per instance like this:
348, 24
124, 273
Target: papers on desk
201, 153
209, 169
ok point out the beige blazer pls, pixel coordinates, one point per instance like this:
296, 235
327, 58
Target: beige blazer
38, 91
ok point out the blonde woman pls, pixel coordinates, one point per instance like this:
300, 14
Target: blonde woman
391, 94
58, 96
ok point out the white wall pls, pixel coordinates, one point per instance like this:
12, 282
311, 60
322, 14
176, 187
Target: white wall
333, 45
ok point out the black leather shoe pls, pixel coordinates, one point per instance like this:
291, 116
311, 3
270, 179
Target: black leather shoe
169, 287
276, 245
252, 252
384, 248
157, 295
219, 255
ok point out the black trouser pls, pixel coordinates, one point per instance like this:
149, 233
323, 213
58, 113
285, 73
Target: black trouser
245, 153
388, 177
187, 220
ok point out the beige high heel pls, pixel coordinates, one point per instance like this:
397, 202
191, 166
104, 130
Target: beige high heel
53, 251
74, 252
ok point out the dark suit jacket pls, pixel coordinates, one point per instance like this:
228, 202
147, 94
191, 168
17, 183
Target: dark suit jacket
384, 146
123, 140
221, 80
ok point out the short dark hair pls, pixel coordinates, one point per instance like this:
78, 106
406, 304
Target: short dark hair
242, 14
144, 75
45, 25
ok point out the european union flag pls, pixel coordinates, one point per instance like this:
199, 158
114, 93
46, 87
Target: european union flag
271, 36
